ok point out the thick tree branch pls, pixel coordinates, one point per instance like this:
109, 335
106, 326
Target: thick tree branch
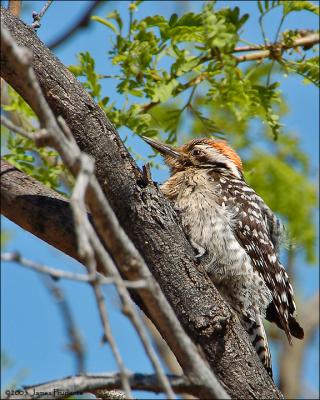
37, 209
151, 224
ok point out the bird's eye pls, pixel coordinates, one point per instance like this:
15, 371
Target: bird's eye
196, 152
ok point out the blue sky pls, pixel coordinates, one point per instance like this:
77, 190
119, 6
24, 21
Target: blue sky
33, 334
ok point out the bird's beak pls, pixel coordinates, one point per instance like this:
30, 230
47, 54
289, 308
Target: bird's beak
164, 149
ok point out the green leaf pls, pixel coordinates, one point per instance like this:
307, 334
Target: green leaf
189, 19
259, 3
267, 95
309, 69
173, 19
116, 17
172, 122
106, 23
183, 65
208, 124
163, 91
294, 5
77, 70
265, 7
156, 20
186, 34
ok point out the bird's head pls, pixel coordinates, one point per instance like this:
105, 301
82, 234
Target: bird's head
200, 153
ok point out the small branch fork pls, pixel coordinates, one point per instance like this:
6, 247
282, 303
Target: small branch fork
60, 274
55, 133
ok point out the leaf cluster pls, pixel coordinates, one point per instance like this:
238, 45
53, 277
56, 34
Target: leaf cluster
44, 164
163, 60
287, 5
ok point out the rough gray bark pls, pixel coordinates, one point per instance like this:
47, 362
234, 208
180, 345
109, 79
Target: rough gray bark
37, 209
150, 222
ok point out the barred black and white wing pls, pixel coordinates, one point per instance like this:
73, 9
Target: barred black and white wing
274, 225
258, 232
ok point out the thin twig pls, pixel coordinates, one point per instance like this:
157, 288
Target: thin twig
309, 40
275, 41
37, 17
12, 127
239, 49
60, 274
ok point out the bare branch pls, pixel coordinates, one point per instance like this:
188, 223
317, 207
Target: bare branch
99, 384
240, 49
10, 125
60, 274
307, 41
37, 17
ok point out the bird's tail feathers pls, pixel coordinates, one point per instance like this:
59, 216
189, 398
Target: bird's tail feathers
258, 337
